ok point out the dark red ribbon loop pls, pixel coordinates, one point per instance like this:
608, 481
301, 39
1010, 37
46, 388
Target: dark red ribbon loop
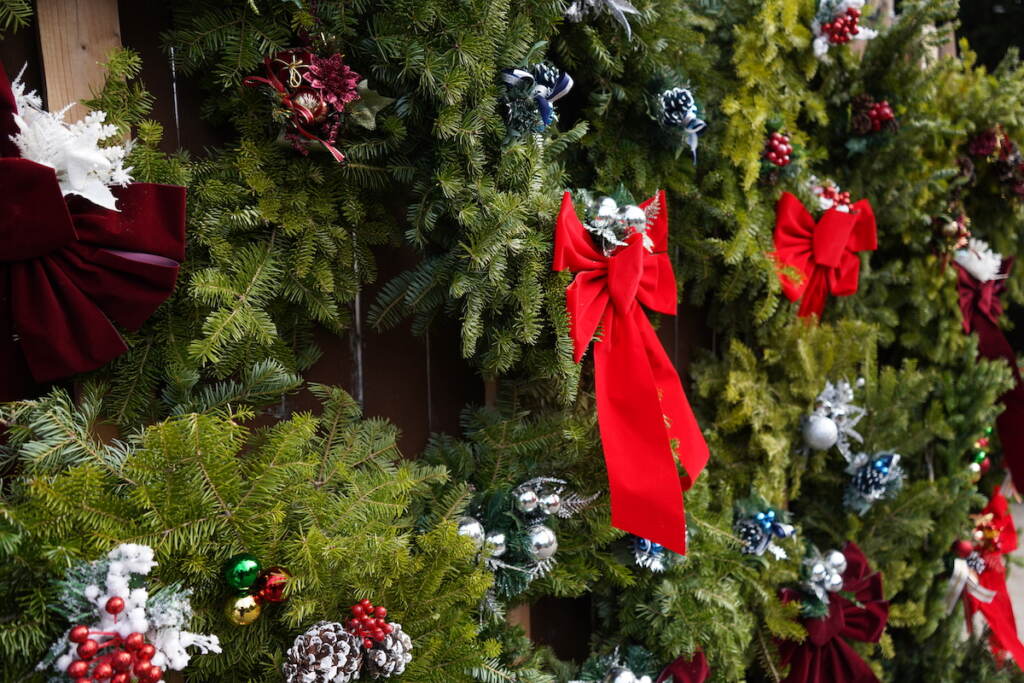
682, 670
825, 656
70, 269
824, 254
981, 309
644, 417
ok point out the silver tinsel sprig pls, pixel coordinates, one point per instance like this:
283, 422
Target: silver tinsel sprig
584, 9
834, 419
873, 478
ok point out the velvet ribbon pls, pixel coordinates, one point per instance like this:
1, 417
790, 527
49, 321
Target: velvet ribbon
682, 670
69, 269
1003, 638
644, 417
981, 309
825, 656
824, 254
277, 69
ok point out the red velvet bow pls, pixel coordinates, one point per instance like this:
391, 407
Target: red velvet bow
824, 656
70, 268
682, 670
981, 309
644, 416
1003, 638
824, 253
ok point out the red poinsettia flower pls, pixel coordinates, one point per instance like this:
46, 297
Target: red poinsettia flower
334, 80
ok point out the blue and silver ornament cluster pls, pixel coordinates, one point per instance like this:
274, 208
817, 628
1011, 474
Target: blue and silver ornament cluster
677, 110
611, 224
759, 531
834, 418
530, 95
823, 574
580, 10
873, 478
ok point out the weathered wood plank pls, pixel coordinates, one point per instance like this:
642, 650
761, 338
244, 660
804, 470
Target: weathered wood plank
75, 37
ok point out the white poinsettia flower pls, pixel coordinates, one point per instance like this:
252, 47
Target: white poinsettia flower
980, 261
73, 151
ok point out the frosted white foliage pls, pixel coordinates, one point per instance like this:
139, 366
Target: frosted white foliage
980, 261
72, 150
161, 617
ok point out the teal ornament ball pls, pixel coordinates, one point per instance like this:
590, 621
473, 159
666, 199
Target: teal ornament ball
241, 571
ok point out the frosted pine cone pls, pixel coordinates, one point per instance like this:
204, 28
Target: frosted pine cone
326, 653
389, 657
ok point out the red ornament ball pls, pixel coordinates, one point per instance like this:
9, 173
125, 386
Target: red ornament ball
78, 634
963, 548
134, 641
103, 671
147, 652
986, 465
380, 612
271, 582
367, 643
87, 648
78, 668
121, 678
122, 661
83, 680
155, 673
141, 668
115, 605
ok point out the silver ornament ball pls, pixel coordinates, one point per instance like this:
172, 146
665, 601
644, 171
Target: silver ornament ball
819, 572
527, 500
619, 674
604, 213
471, 528
495, 542
635, 217
820, 433
550, 503
542, 542
834, 582
836, 560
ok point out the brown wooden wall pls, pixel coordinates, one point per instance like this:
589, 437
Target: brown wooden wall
420, 384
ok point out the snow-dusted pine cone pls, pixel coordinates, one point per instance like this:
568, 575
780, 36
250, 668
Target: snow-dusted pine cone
326, 653
390, 656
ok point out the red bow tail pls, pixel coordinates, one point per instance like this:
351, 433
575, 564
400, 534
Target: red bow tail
643, 414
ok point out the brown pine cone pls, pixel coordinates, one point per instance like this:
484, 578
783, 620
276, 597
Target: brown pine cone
389, 657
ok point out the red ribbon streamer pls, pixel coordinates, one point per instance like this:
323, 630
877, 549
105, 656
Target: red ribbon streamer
70, 269
1003, 639
644, 417
682, 670
823, 253
825, 656
981, 309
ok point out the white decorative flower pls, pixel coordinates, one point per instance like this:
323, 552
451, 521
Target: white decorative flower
72, 150
980, 261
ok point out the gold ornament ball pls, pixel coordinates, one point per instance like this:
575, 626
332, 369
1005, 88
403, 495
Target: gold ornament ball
243, 610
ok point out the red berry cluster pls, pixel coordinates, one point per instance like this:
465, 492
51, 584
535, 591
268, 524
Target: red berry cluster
880, 113
838, 198
117, 660
368, 622
777, 149
842, 27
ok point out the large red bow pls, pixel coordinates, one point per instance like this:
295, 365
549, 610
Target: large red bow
825, 656
70, 268
641, 407
823, 253
1003, 640
981, 309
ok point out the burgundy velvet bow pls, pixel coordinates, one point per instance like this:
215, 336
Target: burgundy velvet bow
823, 253
1003, 638
824, 656
981, 309
682, 670
70, 269
644, 417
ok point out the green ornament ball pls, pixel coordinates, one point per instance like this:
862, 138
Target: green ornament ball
241, 571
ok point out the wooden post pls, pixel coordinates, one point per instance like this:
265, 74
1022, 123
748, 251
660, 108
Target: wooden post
75, 37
